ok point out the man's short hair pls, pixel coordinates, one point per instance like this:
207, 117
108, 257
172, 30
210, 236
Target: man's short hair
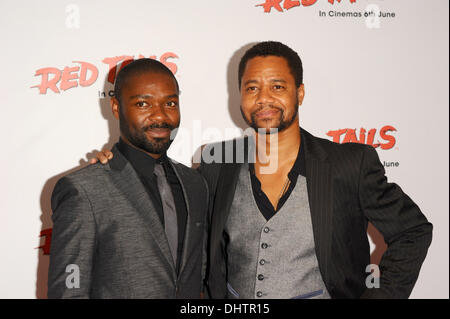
279, 49
138, 67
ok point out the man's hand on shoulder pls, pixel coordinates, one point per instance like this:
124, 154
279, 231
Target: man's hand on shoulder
103, 156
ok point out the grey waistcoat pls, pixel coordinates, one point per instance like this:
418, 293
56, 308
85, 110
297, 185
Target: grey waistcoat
274, 258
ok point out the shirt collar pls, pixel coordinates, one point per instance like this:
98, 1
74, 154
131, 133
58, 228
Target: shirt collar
143, 163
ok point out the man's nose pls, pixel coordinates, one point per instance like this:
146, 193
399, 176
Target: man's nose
264, 96
158, 113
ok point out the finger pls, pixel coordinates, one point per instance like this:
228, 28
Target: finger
107, 155
101, 157
93, 161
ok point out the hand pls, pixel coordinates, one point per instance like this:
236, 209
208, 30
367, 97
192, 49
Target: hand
102, 156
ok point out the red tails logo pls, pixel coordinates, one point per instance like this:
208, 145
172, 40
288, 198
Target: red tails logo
288, 4
351, 136
85, 74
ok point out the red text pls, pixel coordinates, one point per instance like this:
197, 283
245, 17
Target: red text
67, 78
288, 4
113, 63
350, 136
47, 233
85, 74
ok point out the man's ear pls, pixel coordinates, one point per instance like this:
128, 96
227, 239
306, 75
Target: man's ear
115, 107
300, 94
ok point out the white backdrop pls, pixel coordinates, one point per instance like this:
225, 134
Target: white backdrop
359, 73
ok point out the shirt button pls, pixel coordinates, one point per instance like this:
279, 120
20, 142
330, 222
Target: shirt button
260, 277
264, 245
259, 294
262, 262
266, 229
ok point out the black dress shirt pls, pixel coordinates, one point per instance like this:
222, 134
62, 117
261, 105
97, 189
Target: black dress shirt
265, 206
144, 166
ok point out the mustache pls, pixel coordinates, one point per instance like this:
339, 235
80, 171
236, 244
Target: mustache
158, 125
270, 106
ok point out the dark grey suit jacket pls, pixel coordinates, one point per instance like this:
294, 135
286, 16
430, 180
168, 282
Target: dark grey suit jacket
347, 188
105, 224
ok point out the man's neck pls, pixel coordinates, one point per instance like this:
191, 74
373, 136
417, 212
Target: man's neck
279, 150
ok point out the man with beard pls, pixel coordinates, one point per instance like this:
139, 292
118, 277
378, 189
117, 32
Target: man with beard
299, 229
134, 228
289, 211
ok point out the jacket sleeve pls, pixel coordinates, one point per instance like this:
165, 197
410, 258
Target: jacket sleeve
73, 242
405, 229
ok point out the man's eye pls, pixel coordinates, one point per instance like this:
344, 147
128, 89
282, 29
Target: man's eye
141, 104
172, 104
278, 87
251, 88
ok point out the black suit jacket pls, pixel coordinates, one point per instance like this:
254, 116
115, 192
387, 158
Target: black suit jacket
347, 188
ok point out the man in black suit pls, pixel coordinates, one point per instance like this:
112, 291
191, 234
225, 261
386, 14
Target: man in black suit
345, 188
289, 211
135, 228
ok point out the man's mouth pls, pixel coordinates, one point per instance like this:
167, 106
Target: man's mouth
267, 113
158, 132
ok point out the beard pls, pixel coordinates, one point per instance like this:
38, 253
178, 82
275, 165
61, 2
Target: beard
282, 122
139, 139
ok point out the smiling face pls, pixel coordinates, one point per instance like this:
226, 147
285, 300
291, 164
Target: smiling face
148, 111
269, 96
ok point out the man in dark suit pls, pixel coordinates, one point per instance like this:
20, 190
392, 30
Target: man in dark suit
289, 211
135, 228
291, 222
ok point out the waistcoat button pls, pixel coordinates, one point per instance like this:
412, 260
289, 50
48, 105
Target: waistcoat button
259, 294
266, 229
264, 245
260, 277
262, 262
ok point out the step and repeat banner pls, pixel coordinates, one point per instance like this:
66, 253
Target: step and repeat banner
375, 72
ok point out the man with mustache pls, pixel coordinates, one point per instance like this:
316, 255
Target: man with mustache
299, 230
290, 219
135, 228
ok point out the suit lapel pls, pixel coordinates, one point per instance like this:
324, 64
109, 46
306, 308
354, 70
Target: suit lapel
320, 195
128, 182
